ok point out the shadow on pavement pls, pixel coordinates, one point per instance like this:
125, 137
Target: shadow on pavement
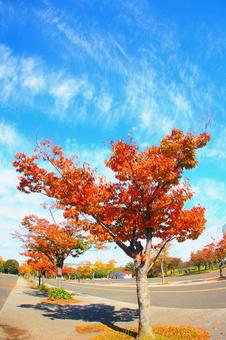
35, 292
102, 313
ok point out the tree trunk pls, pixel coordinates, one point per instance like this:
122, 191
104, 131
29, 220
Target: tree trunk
144, 304
39, 280
43, 277
162, 272
59, 277
221, 269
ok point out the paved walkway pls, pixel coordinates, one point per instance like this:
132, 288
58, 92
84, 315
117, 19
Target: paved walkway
25, 317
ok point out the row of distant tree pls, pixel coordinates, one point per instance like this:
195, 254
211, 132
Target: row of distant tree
210, 257
85, 270
10, 266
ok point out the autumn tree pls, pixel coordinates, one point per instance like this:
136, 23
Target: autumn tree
204, 257
40, 264
162, 260
101, 269
55, 241
11, 266
68, 272
25, 270
1, 264
84, 270
130, 267
197, 259
147, 199
173, 263
220, 252
213, 253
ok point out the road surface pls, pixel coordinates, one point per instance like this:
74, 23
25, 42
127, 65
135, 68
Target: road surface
199, 295
7, 282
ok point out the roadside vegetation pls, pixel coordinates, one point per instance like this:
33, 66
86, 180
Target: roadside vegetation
10, 266
58, 294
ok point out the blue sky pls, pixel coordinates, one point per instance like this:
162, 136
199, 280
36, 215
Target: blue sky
85, 72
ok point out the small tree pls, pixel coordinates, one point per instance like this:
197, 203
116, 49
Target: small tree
40, 265
130, 267
173, 263
84, 270
68, 272
54, 241
11, 266
197, 259
147, 200
25, 270
220, 251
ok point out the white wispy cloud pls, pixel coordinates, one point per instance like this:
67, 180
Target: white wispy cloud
23, 80
104, 102
208, 190
8, 135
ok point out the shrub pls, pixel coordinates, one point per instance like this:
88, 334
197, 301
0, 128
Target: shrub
43, 288
58, 294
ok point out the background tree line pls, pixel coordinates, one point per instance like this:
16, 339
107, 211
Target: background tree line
9, 266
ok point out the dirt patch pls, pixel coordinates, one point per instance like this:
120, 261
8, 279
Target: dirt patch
91, 328
13, 333
61, 302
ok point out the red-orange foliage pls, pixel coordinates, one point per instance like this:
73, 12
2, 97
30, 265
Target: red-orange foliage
146, 201
49, 244
220, 249
213, 253
68, 271
40, 263
203, 257
148, 198
25, 269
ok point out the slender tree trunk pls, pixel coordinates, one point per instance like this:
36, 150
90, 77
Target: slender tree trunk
59, 276
59, 265
43, 277
39, 280
144, 303
221, 269
162, 271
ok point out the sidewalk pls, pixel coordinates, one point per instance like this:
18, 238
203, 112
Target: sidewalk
25, 318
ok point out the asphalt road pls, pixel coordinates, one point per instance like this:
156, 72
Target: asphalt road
199, 296
7, 282
194, 278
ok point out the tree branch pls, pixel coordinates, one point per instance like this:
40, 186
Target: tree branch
159, 252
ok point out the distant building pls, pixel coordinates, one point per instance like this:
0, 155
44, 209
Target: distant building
122, 274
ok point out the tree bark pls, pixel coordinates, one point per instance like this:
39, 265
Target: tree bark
43, 277
221, 269
144, 303
162, 272
59, 277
